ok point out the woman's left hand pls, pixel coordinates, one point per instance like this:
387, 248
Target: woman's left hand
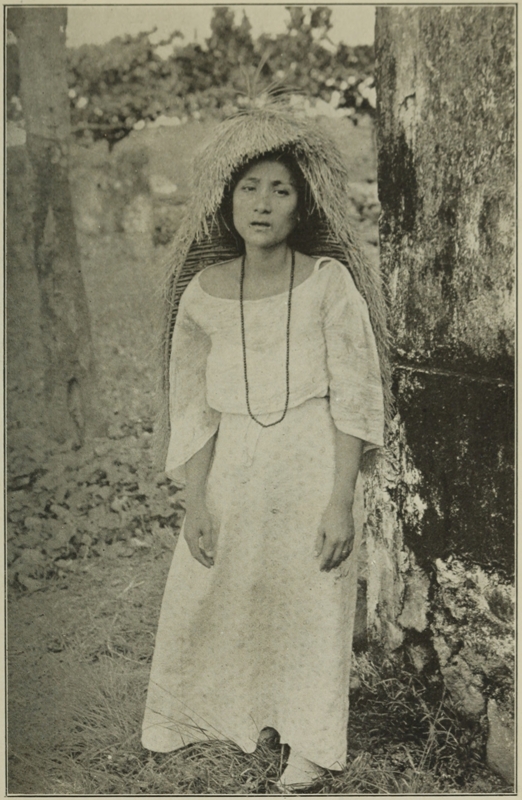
334, 541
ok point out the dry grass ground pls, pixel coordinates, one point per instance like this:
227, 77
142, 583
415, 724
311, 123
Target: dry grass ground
80, 656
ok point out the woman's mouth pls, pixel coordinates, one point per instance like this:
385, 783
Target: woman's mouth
262, 225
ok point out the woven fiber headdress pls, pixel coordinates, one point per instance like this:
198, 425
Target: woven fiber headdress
203, 239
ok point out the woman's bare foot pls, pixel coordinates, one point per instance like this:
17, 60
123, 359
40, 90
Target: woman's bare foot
269, 737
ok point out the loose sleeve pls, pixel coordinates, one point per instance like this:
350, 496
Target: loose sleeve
192, 420
355, 387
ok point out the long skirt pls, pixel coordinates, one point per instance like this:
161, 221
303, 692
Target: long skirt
262, 638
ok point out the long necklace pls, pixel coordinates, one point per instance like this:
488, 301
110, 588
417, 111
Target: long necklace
292, 270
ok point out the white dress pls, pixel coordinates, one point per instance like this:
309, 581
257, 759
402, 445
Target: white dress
263, 638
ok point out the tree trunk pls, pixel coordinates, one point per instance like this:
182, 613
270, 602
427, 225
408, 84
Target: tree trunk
65, 324
441, 544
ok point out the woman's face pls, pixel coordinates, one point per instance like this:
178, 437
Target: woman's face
265, 204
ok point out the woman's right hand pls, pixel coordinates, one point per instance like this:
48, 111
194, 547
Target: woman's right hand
198, 533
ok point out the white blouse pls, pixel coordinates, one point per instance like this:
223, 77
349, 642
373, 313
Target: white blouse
332, 353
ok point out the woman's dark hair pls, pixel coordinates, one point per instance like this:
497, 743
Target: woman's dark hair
305, 202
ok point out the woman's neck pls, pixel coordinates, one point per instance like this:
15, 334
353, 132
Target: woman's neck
267, 263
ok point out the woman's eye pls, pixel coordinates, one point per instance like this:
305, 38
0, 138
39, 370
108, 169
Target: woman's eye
248, 188
283, 192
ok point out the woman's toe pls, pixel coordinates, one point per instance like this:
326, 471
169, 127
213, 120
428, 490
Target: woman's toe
269, 737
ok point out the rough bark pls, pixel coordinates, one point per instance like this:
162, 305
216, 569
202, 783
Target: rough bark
444, 507
65, 324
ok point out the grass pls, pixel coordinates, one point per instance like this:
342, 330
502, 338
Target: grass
406, 732
100, 753
403, 739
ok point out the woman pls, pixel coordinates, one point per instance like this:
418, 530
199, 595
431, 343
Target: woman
275, 394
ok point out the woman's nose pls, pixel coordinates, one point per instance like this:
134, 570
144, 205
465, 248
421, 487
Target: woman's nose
263, 203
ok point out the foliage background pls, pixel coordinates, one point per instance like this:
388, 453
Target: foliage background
127, 83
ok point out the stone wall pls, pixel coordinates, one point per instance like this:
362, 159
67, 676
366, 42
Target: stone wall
440, 515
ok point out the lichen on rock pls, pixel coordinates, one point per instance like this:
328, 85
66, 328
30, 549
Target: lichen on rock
500, 746
473, 613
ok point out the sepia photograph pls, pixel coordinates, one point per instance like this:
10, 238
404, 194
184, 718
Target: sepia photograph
259, 381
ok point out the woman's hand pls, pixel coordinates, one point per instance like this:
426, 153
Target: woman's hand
199, 535
334, 541
198, 523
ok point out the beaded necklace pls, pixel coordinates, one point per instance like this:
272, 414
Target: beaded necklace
243, 341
